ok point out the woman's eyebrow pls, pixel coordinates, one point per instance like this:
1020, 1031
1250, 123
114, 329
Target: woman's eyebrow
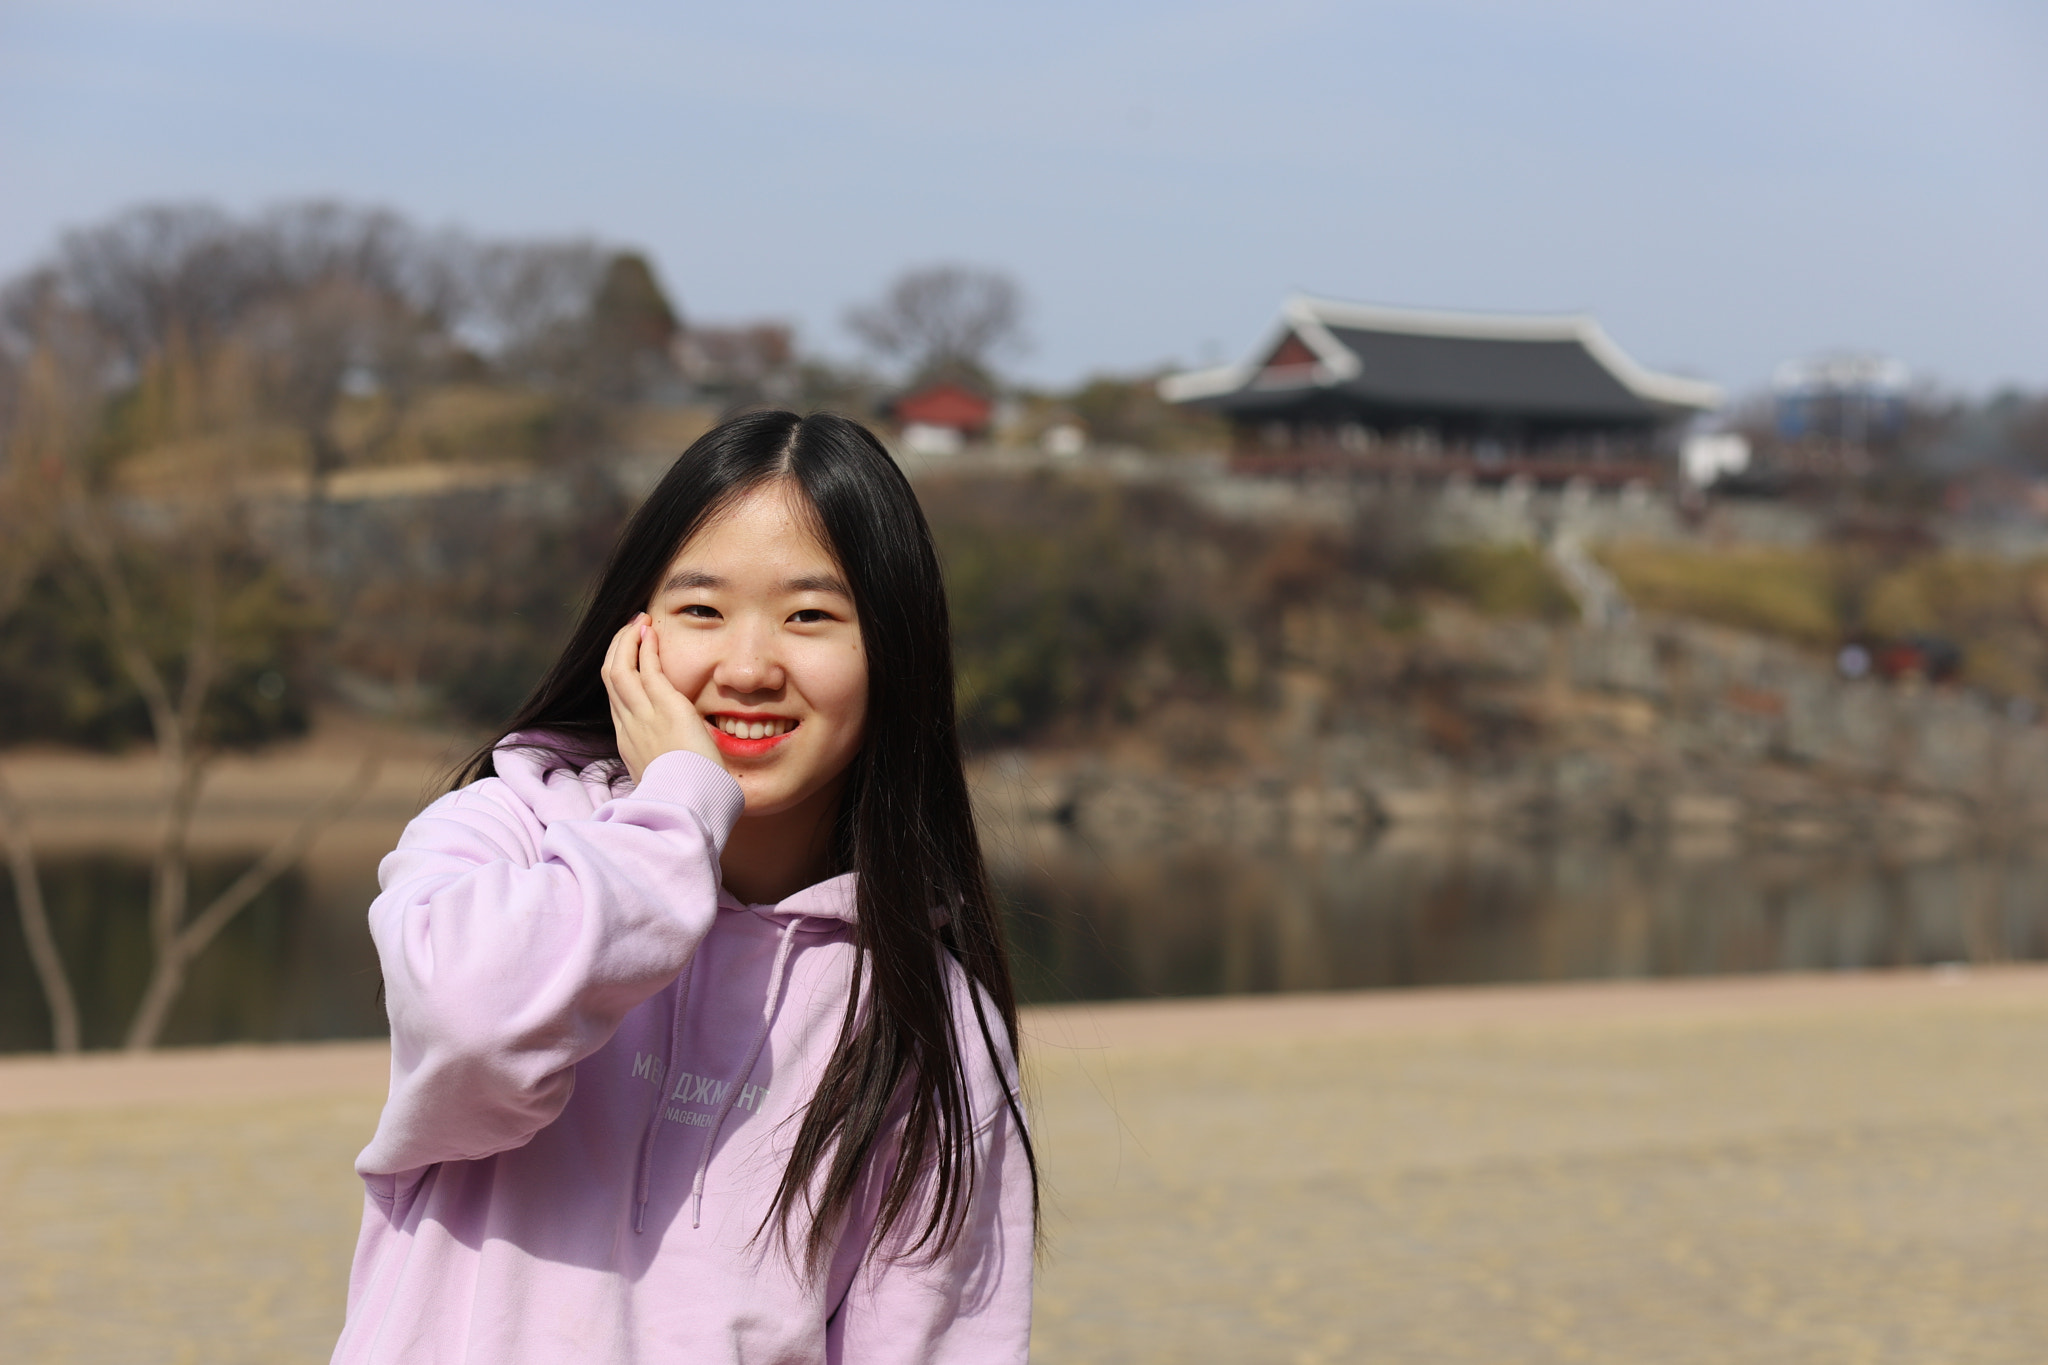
684, 580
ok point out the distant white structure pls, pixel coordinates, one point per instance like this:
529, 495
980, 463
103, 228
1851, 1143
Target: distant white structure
1708, 456
1844, 396
1064, 441
926, 438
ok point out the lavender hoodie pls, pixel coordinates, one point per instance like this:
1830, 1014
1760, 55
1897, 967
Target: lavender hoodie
599, 1061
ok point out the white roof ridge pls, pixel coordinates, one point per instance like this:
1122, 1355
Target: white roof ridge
1446, 322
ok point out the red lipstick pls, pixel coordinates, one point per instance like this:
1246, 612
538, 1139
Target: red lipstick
745, 748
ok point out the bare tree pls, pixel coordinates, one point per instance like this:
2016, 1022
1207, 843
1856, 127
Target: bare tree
178, 716
43, 953
159, 270
373, 294
120, 546
527, 303
151, 366
22, 556
944, 320
357, 303
44, 420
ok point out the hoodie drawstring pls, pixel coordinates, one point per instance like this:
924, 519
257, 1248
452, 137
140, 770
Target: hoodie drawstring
732, 1091
661, 1097
776, 980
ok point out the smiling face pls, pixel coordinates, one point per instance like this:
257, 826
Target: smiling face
757, 628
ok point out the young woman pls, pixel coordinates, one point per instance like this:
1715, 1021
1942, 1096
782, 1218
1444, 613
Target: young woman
702, 1035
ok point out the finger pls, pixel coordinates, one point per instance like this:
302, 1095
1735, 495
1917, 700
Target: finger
624, 679
615, 652
614, 662
646, 660
609, 667
652, 679
647, 651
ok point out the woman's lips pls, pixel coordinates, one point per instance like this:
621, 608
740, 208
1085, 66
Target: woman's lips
745, 748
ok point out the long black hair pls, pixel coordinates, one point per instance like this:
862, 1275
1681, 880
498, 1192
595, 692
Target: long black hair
904, 825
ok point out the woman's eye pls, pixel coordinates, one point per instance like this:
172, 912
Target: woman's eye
810, 616
701, 612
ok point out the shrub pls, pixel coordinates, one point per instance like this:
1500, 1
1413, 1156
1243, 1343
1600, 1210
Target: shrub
1784, 592
1500, 580
60, 681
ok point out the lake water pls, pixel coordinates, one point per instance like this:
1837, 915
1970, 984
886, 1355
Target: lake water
296, 964
1401, 910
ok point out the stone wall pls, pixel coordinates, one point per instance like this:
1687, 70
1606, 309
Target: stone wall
1651, 729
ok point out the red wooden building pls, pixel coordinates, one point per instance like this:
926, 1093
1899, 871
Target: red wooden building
947, 406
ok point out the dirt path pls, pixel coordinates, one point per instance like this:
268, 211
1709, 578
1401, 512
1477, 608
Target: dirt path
1780, 1169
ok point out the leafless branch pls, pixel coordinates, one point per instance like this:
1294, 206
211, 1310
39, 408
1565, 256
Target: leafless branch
35, 923
943, 317
209, 922
170, 886
188, 941
202, 649
96, 551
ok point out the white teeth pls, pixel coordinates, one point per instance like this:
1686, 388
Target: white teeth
754, 729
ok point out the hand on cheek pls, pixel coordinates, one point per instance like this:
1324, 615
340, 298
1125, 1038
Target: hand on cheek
649, 715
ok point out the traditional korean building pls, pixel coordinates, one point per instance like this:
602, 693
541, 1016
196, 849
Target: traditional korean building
1340, 386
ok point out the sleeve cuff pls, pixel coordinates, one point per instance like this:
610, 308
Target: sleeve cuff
687, 779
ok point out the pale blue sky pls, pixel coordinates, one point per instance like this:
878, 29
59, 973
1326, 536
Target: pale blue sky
1723, 184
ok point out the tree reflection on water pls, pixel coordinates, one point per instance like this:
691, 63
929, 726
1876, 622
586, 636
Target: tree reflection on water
1423, 910
1404, 909
297, 964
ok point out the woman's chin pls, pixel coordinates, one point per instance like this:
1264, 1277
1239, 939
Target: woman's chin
765, 794
771, 793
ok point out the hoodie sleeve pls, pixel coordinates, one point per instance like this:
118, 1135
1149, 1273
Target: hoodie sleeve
508, 959
971, 1305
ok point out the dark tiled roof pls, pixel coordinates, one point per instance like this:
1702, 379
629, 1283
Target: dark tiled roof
1473, 370
1558, 379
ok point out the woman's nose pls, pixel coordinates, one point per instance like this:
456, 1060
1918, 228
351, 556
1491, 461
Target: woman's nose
750, 664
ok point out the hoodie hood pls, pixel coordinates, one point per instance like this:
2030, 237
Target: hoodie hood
831, 901
525, 763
